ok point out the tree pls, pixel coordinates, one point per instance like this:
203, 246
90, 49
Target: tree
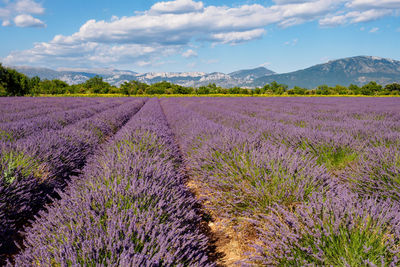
159, 88
355, 89
371, 88
277, 88
340, 90
182, 90
13, 83
393, 88
51, 87
297, 91
96, 85
132, 87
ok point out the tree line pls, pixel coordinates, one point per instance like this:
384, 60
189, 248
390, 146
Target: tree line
13, 83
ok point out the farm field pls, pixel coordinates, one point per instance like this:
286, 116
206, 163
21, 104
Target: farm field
203, 181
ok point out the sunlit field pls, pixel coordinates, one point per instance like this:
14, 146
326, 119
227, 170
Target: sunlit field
201, 181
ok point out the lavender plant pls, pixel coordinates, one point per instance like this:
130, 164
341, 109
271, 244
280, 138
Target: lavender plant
13, 131
273, 163
243, 180
333, 230
377, 174
137, 211
32, 169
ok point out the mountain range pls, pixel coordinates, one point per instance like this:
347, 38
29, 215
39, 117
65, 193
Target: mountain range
353, 70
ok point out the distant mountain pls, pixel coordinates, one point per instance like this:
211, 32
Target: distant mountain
251, 73
117, 77
357, 70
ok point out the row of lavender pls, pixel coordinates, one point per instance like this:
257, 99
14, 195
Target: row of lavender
301, 180
34, 166
129, 207
15, 109
26, 125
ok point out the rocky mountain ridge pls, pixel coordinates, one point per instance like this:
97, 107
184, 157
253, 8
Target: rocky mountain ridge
357, 70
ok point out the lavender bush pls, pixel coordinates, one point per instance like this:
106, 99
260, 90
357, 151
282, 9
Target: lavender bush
377, 174
13, 131
302, 181
33, 168
275, 162
334, 230
136, 209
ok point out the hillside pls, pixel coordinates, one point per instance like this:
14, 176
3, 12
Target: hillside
354, 70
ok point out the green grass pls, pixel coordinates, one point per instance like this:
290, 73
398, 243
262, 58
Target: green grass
17, 165
5, 136
333, 158
344, 246
242, 182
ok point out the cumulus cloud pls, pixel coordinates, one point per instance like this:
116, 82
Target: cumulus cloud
189, 53
374, 30
177, 7
237, 37
284, 2
171, 28
88, 54
368, 4
354, 17
29, 6
25, 20
21, 11
6, 23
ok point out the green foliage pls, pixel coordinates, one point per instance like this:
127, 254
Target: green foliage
370, 88
344, 246
132, 87
96, 85
13, 83
297, 91
275, 88
18, 165
330, 156
393, 88
52, 87
253, 185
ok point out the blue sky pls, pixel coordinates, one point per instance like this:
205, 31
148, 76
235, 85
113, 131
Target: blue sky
191, 35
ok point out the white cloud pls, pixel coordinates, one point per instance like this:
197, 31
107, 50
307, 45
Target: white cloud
354, 17
4, 13
25, 20
284, 2
6, 23
189, 53
28, 6
21, 11
171, 28
368, 4
177, 7
374, 30
237, 37
369, 15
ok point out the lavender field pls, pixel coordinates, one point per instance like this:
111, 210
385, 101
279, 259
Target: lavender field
200, 181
